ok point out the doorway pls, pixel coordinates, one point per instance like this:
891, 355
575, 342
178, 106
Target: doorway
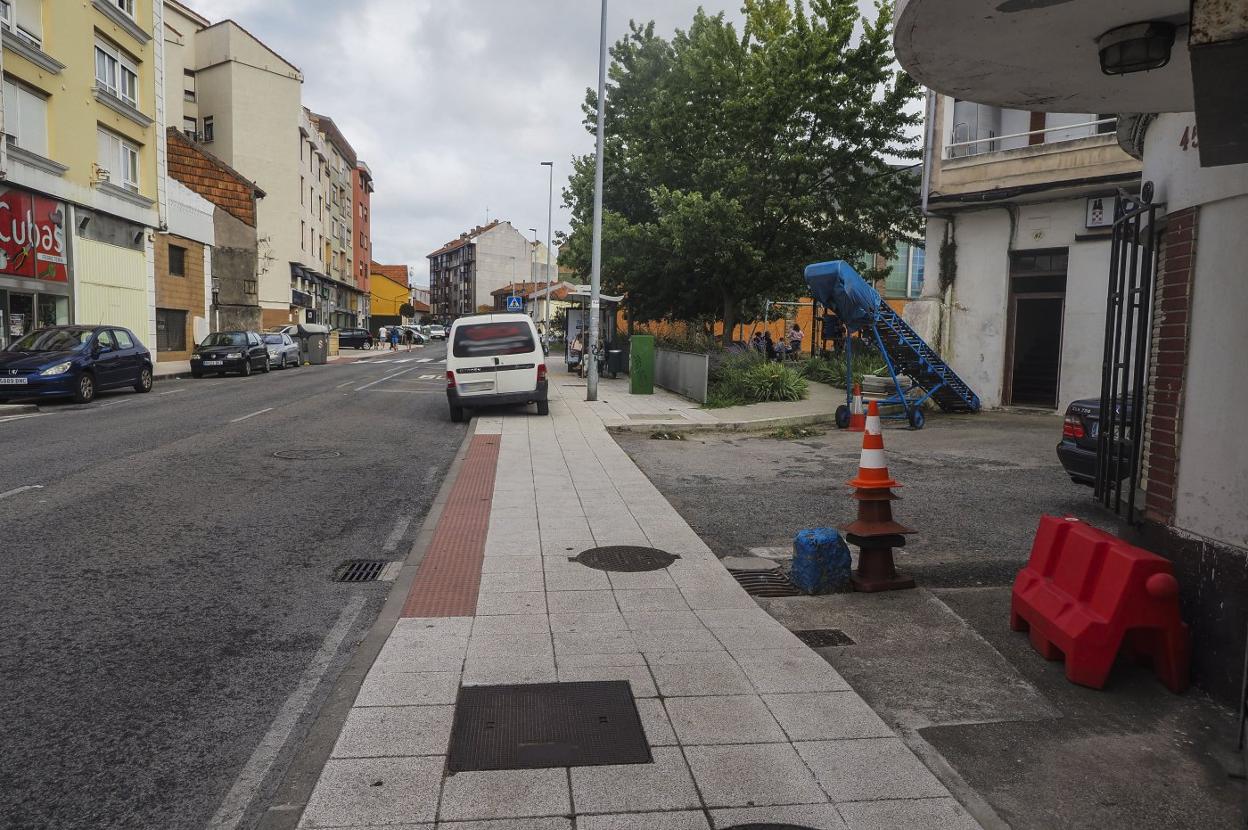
1037, 309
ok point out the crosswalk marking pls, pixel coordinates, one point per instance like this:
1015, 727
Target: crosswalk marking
425, 360
429, 377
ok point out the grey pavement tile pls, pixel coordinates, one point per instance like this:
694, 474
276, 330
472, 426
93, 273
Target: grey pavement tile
622, 581
569, 602
566, 547
657, 642
737, 618
498, 670
420, 657
387, 688
791, 671
868, 769
587, 622
907, 814
547, 823
680, 820
392, 731
594, 642
364, 791
511, 624
655, 722
663, 785
505, 794
516, 564
661, 620
430, 625
620, 658
820, 716
509, 645
813, 816
759, 638
651, 599
719, 676
575, 577
701, 599
725, 719
510, 583
638, 677
529, 602
752, 775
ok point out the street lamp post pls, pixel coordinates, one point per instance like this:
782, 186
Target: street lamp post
595, 280
550, 212
533, 261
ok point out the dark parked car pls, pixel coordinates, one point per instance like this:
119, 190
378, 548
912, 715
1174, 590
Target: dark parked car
283, 351
74, 361
230, 351
1080, 432
354, 339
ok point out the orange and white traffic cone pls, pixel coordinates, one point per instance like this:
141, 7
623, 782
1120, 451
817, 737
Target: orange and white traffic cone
874, 531
857, 416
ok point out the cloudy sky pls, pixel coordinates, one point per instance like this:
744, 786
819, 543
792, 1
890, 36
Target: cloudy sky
453, 103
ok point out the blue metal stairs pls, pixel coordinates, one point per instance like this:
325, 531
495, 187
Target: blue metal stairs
912, 357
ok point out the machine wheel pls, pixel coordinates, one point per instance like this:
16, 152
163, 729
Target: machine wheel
543, 407
84, 391
267, 367
457, 414
917, 418
144, 383
247, 368
842, 417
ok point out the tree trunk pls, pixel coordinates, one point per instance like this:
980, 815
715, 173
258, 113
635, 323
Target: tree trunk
731, 312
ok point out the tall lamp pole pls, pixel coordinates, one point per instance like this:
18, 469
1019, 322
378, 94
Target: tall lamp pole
550, 213
533, 261
595, 280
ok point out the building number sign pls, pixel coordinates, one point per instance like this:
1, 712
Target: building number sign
1188, 139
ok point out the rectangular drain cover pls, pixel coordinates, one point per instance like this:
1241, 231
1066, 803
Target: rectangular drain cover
359, 570
824, 637
539, 725
772, 583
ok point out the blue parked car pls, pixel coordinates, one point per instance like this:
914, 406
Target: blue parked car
74, 362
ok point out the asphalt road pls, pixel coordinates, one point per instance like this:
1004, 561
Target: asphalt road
169, 623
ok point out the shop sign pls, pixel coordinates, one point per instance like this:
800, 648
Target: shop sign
32, 237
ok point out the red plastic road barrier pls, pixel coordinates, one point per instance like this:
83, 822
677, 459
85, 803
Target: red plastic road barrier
1086, 593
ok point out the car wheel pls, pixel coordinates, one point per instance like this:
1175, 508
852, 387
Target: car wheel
247, 368
543, 407
457, 414
84, 391
144, 383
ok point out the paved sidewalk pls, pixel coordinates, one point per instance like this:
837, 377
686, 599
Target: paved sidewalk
745, 723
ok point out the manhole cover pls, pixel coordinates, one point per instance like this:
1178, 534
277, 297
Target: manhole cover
541, 725
824, 637
625, 558
306, 455
771, 583
359, 570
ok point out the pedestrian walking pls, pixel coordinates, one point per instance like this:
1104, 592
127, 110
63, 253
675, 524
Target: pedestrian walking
394, 338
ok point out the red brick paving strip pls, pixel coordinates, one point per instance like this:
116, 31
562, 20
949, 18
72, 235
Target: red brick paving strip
449, 576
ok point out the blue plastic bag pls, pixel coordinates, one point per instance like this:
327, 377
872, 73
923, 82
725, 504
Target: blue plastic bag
821, 562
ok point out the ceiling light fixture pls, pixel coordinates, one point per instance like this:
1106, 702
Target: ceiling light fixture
1137, 47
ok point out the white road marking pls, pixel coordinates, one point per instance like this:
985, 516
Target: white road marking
170, 392
18, 490
430, 377
386, 378
344, 383
425, 360
247, 786
118, 402
8, 418
396, 535
252, 415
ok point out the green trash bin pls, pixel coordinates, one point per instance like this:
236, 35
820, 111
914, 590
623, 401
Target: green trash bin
641, 365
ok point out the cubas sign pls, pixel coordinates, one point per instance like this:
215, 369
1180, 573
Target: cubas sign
32, 237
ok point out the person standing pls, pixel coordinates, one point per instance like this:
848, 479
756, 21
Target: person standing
796, 336
769, 346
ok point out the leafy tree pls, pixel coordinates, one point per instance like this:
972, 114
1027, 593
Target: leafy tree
407, 310
735, 159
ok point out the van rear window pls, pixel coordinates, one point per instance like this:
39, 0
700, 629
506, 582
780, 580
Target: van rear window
492, 340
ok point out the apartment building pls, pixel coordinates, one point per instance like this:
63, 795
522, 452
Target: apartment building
464, 273
362, 230
1020, 206
242, 102
82, 158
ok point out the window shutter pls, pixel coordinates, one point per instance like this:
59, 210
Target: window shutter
30, 17
33, 122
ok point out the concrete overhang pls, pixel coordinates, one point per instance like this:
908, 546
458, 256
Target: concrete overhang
1040, 55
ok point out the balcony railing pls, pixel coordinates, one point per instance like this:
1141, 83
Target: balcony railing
993, 143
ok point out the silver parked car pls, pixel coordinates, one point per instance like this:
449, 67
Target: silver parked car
283, 351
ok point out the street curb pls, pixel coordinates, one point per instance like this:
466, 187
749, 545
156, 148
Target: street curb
727, 426
17, 409
290, 797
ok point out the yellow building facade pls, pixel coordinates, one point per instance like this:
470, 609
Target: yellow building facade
84, 160
388, 292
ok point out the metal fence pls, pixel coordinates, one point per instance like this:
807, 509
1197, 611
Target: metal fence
684, 373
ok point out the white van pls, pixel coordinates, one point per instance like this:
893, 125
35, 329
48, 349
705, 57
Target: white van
494, 360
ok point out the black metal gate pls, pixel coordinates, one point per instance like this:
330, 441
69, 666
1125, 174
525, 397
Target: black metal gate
1124, 369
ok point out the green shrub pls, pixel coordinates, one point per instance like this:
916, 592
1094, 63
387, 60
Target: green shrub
831, 370
690, 342
773, 382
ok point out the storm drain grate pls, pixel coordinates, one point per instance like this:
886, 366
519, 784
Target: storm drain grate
306, 455
542, 725
771, 583
625, 559
824, 637
359, 570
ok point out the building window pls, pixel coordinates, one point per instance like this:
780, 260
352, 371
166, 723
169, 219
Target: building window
126, 6
190, 128
250, 287
26, 117
170, 330
177, 261
116, 72
23, 17
188, 85
918, 262
209, 130
303, 235
120, 158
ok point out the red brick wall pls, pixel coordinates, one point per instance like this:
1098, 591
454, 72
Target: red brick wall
211, 178
362, 221
185, 293
1172, 300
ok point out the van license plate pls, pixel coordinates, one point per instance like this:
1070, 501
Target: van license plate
479, 386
